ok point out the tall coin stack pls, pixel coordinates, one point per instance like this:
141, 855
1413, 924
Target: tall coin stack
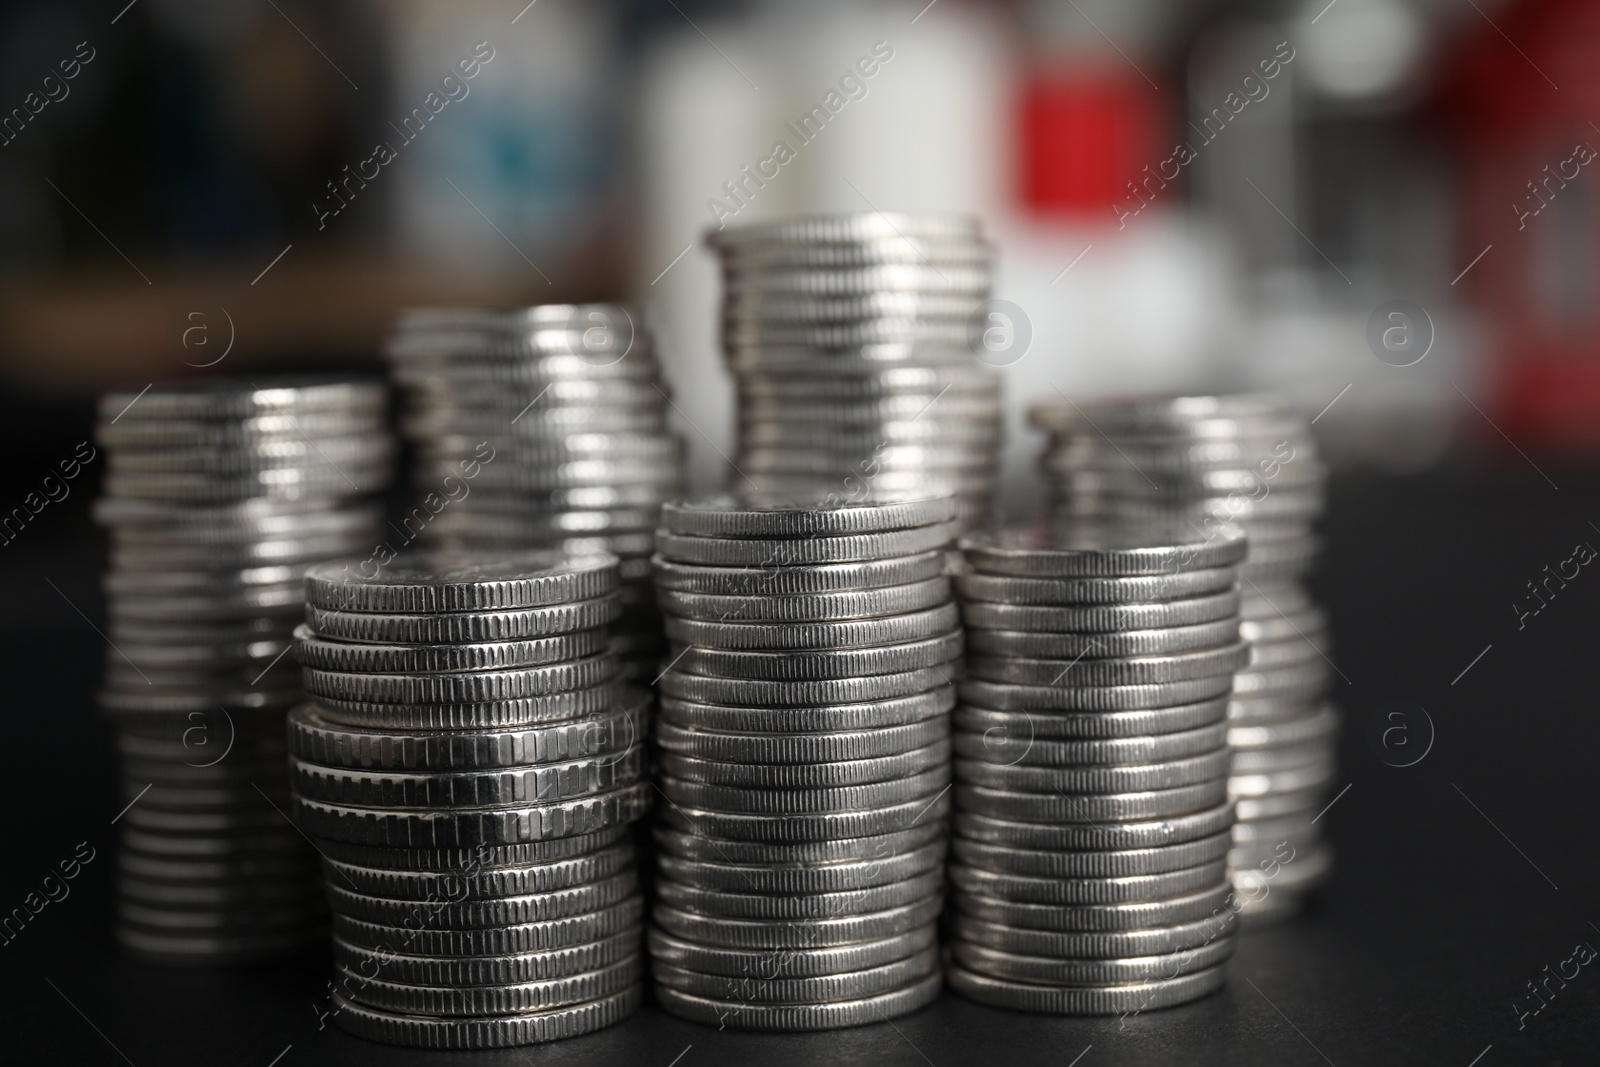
469, 765
852, 339
219, 495
1092, 827
560, 407
1247, 459
805, 760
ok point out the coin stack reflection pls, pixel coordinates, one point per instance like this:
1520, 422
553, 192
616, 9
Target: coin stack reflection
560, 411
469, 765
851, 339
1246, 459
805, 761
218, 497
1092, 827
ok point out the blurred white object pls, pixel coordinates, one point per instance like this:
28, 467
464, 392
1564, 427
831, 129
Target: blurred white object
1358, 49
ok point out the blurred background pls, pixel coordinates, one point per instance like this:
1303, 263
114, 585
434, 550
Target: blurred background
1379, 205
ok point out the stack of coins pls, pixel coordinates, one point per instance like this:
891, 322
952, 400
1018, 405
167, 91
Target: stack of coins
1249, 460
218, 497
1092, 827
559, 413
468, 766
805, 761
852, 341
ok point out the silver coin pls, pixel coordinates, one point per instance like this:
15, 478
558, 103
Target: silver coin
1120, 890
747, 692
1073, 780
1282, 757
1108, 549
763, 964
389, 628
1010, 732
726, 516
1095, 946
694, 845
747, 801
813, 665
1112, 999
464, 688
315, 739
439, 943
998, 745
801, 1017
830, 774
493, 788
880, 714
463, 829
1009, 589
815, 636
1323, 724
237, 894
1211, 904
1006, 697
1090, 807
784, 552
1113, 837
494, 912
1292, 781
1274, 805
1011, 966
495, 1031
528, 580
477, 881
478, 857
1066, 646
1044, 863
503, 969
809, 827
815, 607
482, 715
209, 950
1112, 671
824, 931
788, 879
777, 578
355, 657
222, 398
787, 990
495, 1000
799, 748
1310, 625
802, 907
1102, 617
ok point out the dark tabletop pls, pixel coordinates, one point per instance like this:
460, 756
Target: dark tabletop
1460, 877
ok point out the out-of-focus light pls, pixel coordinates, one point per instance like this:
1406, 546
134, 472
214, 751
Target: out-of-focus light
1358, 49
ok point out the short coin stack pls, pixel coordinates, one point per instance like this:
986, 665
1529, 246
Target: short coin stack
805, 761
1247, 459
852, 340
219, 495
468, 765
559, 412
1092, 827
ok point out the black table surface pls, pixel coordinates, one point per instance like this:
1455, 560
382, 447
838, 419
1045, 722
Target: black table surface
1461, 878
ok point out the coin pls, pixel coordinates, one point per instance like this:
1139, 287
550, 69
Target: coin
752, 551
1113, 999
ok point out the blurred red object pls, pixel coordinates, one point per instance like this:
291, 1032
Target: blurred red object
1524, 94
1083, 135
